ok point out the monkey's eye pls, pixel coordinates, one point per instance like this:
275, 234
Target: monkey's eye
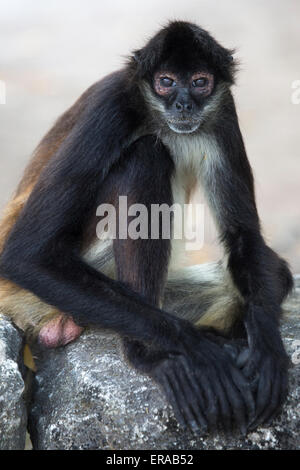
167, 82
199, 82
164, 82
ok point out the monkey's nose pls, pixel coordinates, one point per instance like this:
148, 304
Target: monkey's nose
183, 106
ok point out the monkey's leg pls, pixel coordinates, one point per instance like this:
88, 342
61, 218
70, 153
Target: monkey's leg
142, 263
35, 318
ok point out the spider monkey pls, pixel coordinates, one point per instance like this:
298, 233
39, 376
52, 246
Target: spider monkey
208, 335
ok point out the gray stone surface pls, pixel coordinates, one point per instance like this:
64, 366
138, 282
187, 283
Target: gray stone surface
13, 415
87, 397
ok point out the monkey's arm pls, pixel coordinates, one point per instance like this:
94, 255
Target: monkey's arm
42, 252
262, 278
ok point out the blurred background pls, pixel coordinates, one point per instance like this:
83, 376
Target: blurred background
51, 51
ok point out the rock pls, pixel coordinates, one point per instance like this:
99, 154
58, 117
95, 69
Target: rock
86, 397
13, 414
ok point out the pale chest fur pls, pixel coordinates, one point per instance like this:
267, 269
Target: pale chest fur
195, 157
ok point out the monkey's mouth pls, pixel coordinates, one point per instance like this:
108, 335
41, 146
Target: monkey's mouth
183, 126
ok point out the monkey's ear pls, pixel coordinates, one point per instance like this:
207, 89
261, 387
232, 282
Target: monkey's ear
137, 56
232, 64
224, 61
140, 62
144, 60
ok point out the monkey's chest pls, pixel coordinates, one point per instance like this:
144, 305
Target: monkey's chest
188, 153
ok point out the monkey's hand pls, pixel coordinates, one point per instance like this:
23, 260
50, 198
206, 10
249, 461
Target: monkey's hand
173, 372
266, 366
199, 380
226, 396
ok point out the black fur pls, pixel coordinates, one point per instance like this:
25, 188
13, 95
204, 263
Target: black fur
98, 160
262, 278
187, 46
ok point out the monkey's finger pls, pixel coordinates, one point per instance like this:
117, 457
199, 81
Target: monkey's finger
264, 389
243, 358
264, 414
278, 395
237, 404
224, 410
278, 398
266, 384
207, 386
252, 365
243, 386
191, 379
226, 420
167, 388
197, 402
183, 398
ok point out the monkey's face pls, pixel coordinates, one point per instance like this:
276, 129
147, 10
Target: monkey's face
183, 97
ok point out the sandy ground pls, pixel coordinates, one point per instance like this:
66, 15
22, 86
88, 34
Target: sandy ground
51, 51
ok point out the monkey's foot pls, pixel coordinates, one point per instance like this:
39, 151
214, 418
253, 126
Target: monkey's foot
59, 332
